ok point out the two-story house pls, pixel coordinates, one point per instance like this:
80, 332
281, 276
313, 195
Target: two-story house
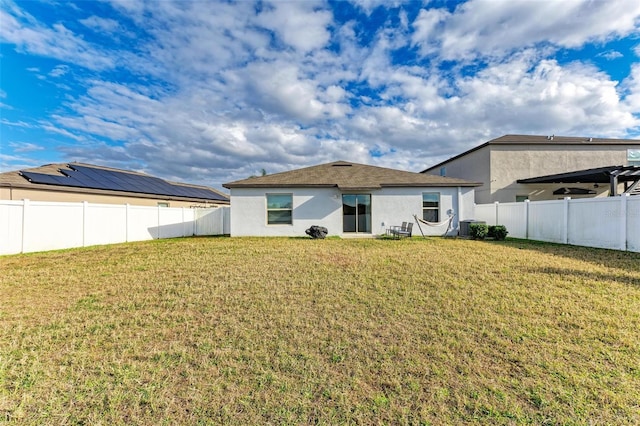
520, 167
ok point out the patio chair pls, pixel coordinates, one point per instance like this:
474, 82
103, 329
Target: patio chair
391, 231
401, 231
406, 232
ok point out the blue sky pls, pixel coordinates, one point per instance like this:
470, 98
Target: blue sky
210, 92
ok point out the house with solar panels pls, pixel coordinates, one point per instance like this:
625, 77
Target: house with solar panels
78, 182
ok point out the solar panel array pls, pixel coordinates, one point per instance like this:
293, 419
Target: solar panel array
112, 180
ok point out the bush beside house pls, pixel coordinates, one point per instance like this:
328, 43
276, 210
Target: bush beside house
480, 231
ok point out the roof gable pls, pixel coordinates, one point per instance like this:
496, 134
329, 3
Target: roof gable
347, 176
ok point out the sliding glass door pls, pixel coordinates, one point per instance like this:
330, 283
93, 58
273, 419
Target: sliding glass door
356, 213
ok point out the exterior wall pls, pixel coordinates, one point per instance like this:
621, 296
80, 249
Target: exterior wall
509, 163
17, 193
499, 166
323, 207
473, 167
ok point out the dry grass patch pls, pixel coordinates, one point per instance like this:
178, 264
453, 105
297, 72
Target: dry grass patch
282, 331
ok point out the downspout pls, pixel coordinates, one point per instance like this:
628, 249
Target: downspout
459, 213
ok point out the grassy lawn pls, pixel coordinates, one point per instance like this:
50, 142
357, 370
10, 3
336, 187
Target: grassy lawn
290, 331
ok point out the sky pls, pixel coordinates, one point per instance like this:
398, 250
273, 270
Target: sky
211, 92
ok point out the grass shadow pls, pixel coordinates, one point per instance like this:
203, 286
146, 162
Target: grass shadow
587, 275
624, 260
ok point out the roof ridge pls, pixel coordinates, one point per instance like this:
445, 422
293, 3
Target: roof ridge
360, 176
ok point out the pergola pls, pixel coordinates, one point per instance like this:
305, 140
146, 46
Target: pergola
611, 175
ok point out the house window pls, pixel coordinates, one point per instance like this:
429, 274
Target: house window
163, 204
431, 206
633, 157
279, 209
521, 198
443, 171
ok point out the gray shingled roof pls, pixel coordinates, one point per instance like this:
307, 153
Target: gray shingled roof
347, 176
558, 140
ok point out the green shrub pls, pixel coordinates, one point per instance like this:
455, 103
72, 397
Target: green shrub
498, 232
478, 231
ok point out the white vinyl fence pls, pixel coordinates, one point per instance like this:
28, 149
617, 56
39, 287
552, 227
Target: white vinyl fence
611, 222
29, 226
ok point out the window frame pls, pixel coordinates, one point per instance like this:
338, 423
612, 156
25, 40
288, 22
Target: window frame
436, 209
267, 209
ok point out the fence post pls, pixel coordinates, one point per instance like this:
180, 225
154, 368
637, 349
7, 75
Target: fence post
193, 222
623, 221
158, 228
126, 222
25, 216
196, 220
497, 203
526, 219
565, 222
85, 205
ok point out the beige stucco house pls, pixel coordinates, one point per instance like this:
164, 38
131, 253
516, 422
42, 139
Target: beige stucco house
501, 163
78, 182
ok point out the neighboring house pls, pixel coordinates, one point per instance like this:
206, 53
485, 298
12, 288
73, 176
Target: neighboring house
348, 199
77, 182
503, 165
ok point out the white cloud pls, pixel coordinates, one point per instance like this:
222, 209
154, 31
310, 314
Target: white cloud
369, 6
21, 147
16, 162
498, 27
194, 41
281, 88
574, 99
56, 41
300, 24
48, 127
22, 124
428, 28
59, 71
610, 55
630, 89
99, 24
